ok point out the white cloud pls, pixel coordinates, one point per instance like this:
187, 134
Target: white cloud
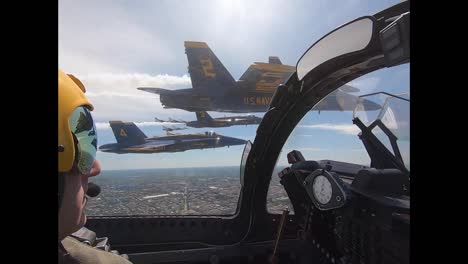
78, 63
105, 33
340, 128
128, 82
102, 125
147, 36
105, 125
115, 96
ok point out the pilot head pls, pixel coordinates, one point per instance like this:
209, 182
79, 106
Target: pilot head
77, 141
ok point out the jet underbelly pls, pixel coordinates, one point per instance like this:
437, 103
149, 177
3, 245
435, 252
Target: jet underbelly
188, 102
243, 103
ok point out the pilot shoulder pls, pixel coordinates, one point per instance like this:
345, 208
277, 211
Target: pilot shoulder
87, 254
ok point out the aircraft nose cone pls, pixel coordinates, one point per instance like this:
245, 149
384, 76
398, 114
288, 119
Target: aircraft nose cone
233, 141
238, 141
105, 147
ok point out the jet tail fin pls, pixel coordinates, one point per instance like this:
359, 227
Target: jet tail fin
274, 60
127, 133
203, 116
265, 77
208, 74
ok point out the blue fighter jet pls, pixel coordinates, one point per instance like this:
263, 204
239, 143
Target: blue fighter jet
130, 139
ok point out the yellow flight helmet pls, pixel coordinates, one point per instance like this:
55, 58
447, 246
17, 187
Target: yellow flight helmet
75, 125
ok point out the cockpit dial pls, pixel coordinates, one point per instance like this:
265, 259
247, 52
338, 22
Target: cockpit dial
322, 189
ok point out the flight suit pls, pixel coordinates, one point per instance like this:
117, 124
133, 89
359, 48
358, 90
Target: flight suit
85, 254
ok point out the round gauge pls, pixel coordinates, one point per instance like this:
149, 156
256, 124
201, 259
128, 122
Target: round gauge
322, 189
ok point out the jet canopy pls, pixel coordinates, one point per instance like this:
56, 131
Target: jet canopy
210, 133
389, 127
355, 38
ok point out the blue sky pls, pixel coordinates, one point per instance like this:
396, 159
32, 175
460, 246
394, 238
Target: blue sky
116, 46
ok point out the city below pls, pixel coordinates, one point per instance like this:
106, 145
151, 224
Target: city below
180, 191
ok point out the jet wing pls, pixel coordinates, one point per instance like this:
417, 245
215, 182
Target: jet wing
154, 144
154, 90
198, 140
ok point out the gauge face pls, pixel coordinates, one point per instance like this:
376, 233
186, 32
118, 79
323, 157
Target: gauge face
322, 189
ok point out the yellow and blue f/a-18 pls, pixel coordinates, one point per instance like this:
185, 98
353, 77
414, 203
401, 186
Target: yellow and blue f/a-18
214, 88
130, 139
205, 120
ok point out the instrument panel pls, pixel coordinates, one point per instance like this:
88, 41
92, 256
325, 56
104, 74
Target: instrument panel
347, 212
